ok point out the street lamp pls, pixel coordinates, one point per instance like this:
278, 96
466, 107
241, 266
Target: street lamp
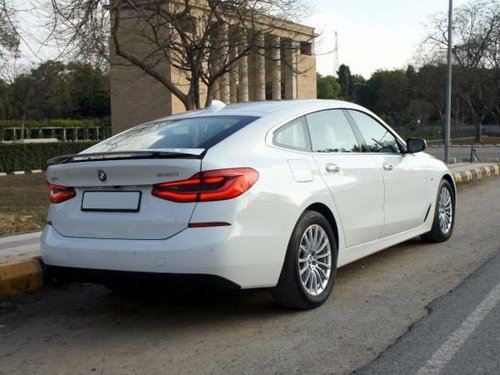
447, 127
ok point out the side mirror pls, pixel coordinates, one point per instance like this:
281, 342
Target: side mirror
414, 145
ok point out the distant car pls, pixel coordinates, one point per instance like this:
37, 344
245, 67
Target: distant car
275, 194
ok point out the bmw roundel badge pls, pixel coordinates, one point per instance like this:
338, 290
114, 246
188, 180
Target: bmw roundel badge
102, 175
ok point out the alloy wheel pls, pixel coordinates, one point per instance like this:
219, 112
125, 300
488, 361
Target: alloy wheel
445, 210
315, 260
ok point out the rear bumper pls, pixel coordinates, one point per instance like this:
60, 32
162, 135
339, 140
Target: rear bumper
247, 261
138, 280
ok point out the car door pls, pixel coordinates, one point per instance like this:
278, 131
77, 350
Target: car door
404, 177
353, 177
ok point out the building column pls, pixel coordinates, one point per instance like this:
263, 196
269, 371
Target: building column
224, 88
224, 80
243, 73
260, 69
289, 68
276, 67
233, 75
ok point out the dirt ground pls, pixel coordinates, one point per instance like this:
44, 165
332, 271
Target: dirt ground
23, 203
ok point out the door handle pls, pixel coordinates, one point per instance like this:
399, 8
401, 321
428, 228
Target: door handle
332, 168
388, 167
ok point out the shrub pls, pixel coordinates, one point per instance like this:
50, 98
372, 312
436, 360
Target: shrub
65, 123
25, 157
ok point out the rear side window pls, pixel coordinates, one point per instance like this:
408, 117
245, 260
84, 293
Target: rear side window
196, 132
331, 132
293, 135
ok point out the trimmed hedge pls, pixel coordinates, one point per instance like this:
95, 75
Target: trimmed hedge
29, 156
64, 123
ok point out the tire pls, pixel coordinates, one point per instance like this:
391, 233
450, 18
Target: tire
309, 268
444, 215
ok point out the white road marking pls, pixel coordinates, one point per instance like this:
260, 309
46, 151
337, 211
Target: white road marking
444, 354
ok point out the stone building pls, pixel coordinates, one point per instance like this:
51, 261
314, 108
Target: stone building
284, 67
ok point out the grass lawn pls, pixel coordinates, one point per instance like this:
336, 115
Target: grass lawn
23, 203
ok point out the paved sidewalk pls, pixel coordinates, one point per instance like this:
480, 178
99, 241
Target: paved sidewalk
22, 246
21, 269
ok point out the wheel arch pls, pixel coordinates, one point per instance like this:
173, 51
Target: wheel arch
451, 180
328, 214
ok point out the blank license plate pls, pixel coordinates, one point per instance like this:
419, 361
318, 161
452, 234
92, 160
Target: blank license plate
119, 201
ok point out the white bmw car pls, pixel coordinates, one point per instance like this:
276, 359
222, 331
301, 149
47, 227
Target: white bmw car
257, 195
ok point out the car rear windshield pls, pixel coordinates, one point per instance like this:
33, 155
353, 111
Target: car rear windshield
194, 132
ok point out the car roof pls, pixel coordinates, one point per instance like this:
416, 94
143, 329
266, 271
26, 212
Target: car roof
262, 108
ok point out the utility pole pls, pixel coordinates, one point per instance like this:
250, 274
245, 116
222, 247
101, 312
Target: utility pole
447, 128
336, 55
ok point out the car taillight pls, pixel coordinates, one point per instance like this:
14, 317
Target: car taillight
60, 194
208, 186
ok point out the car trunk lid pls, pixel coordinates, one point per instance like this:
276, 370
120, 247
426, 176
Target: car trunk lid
113, 197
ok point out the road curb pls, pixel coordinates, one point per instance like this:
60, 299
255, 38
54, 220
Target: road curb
15, 173
20, 276
475, 174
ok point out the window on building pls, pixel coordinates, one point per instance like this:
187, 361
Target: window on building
306, 48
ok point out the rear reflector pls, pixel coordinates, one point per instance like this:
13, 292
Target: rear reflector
60, 193
208, 186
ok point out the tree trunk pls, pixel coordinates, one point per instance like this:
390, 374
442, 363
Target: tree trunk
23, 122
194, 93
479, 128
210, 96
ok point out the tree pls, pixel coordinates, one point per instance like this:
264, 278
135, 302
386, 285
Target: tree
88, 89
358, 82
350, 85
50, 91
56, 90
328, 87
202, 39
476, 51
345, 81
9, 38
390, 94
6, 110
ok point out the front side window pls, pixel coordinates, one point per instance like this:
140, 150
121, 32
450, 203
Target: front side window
331, 132
377, 137
292, 136
195, 132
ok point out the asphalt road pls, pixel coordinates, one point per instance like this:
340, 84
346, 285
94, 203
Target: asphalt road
83, 329
484, 153
461, 335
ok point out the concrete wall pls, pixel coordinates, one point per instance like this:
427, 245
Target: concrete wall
306, 81
136, 98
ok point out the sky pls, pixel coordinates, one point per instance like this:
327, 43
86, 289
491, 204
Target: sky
372, 35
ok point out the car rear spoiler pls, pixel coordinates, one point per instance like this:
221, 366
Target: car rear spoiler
151, 154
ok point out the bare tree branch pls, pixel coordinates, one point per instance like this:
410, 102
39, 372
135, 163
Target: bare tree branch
186, 35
